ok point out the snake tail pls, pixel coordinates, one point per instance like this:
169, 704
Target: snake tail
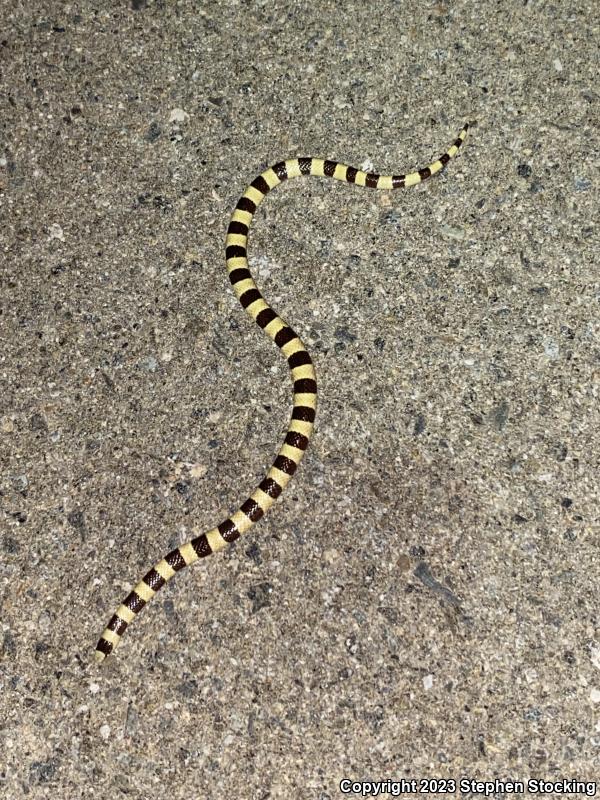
302, 372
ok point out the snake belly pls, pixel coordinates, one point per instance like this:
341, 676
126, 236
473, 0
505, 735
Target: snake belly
302, 371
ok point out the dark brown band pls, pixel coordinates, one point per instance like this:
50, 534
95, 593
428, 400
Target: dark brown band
228, 531
117, 625
175, 560
303, 413
201, 546
285, 464
252, 510
270, 487
154, 580
104, 647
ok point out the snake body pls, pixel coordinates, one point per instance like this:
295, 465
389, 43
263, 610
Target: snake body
302, 371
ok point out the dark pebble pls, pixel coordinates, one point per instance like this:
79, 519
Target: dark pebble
9, 646
389, 613
169, 608
560, 451
42, 771
533, 714
259, 595
524, 170
352, 645
499, 415
38, 423
582, 184
76, 519
254, 553
153, 133
343, 334
391, 217
419, 424
188, 688
10, 545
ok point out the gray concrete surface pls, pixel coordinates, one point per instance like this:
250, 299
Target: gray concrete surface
423, 602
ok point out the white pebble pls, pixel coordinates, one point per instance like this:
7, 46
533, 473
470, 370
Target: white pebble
551, 349
56, 232
105, 732
452, 232
178, 115
198, 470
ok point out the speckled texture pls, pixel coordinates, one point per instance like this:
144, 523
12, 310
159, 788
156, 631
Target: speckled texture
424, 599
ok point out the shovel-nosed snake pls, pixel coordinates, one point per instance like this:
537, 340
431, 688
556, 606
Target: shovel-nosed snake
300, 364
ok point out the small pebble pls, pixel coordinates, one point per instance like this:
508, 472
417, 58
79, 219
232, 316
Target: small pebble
148, 364
105, 732
551, 349
56, 232
198, 470
178, 115
453, 232
7, 425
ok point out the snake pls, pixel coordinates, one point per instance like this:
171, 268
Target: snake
302, 370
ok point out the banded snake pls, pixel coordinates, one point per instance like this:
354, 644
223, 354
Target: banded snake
303, 375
